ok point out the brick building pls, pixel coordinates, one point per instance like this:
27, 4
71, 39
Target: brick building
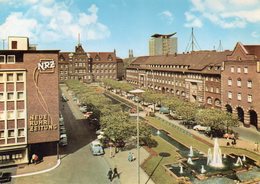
210, 78
29, 102
89, 66
240, 84
193, 76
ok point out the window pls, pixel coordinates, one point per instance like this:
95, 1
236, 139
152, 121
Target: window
217, 103
211, 89
230, 82
2, 59
10, 59
239, 96
1, 96
2, 134
19, 77
217, 90
10, 77
249, 84
249, 98
10, 114
245, 70
20, 95
232, 69
230, 95
2, 116
14, 44
20, 132
10, 133
239, 82
1, 77
209, 100
10, 96
238, 70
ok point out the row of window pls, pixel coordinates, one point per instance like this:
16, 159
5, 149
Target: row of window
12, 133
11, 77
12, 114
210, 101
238, 69
11, 96
239, 83
170, 66
9, 59
211, 89
239, 96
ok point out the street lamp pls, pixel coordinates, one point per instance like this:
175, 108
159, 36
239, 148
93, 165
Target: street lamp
137, 92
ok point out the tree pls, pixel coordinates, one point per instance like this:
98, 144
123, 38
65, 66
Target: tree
187, 111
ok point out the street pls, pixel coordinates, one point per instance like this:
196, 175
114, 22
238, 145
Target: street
78, 165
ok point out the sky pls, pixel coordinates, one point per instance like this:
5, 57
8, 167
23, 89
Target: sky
105, 25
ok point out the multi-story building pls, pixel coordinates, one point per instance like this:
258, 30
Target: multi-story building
29, 102
240, 84
227, 80
89, 66
160, 44
193, 76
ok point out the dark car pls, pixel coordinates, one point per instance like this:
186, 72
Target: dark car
5, 177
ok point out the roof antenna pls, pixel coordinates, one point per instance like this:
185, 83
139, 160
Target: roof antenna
220, 48
192, 42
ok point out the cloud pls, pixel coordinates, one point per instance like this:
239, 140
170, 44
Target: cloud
18, 25
49, 21
192, 20
227, 13
255, 34
167, 15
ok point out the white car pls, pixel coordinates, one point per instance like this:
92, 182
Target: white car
63, 140
201, 128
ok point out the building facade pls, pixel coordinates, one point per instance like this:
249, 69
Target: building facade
227, 80
241, 84
89, 66
194, 76
162, 44
29, 102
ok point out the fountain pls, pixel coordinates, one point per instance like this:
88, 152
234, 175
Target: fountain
239, 162
191, 152
209, 157
158, 132
189, 161
225, 156
181, 169
202, 171
244, 158
217, 156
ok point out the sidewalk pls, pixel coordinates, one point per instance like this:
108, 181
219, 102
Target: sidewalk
126, 169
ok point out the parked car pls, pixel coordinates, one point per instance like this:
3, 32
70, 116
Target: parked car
64, 98
215, 133
189, 124
5, 177
96, 147
201, 128
164, 110
63, 140
62, 131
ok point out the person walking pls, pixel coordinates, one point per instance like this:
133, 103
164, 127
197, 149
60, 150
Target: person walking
115, 173
110, 174
130, 157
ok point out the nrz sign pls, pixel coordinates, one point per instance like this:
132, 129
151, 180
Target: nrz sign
45, 65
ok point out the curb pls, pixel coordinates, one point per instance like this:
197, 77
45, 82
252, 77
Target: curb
38, 172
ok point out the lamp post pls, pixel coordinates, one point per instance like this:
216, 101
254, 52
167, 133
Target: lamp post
137, 92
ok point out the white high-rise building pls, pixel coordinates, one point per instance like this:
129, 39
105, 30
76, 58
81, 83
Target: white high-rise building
162, 44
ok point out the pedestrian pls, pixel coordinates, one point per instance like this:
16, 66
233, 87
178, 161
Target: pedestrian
110, 174
130, 157
115, 173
